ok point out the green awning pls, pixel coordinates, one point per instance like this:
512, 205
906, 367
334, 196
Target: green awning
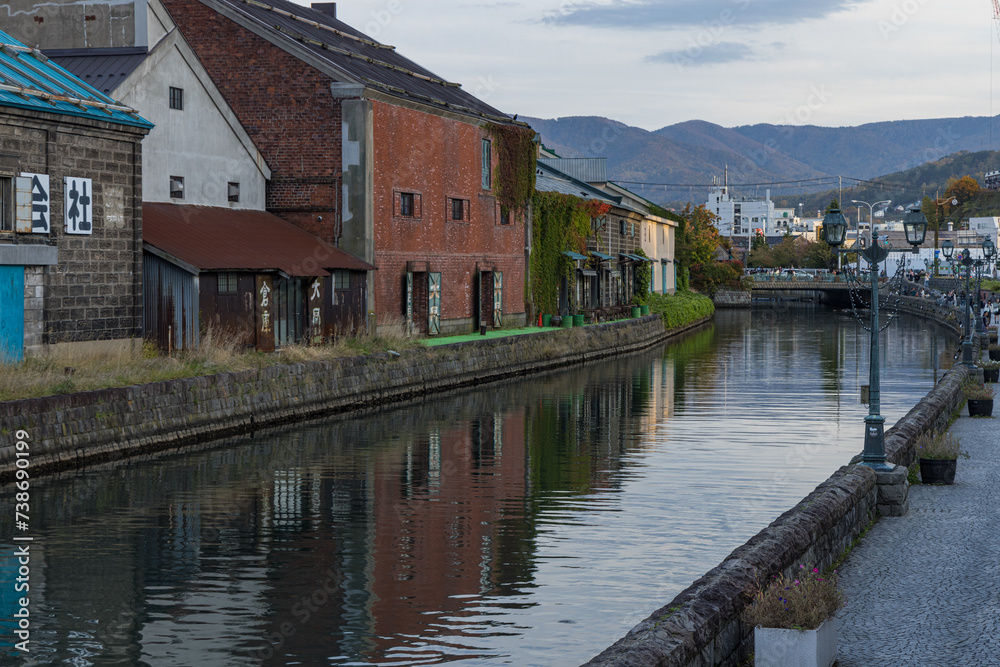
574, 255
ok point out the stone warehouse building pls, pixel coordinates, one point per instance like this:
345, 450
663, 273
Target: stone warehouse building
70, 209
373, 153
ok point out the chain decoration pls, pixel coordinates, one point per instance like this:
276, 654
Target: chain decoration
893, 292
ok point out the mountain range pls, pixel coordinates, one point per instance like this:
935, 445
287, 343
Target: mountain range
683, 159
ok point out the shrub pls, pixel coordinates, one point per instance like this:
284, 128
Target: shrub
934, 445
680, 308
796, 604
977, 392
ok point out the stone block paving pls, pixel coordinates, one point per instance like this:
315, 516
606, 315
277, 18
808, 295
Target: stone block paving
924, 589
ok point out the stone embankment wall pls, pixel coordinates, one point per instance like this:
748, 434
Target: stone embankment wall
701, 627
730, 298
70, 430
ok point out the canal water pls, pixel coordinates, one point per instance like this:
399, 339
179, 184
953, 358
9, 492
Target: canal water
529, 523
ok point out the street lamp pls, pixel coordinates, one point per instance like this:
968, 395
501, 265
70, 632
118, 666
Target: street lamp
834, 232
937, 226
965, 259
871, 211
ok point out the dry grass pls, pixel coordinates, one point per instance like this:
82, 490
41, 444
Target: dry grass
68, 372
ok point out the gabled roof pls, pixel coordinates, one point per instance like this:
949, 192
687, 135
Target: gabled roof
29, 80
104, 69
349, 55
550, 179
221, 239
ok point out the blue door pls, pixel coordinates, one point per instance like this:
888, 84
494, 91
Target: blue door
11, 314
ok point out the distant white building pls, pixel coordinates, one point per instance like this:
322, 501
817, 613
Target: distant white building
742, 216
985, 228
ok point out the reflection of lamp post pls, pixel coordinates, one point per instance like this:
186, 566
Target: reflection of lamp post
965, 258
834, 231
937, 226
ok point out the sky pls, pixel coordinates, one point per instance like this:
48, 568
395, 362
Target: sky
733, 62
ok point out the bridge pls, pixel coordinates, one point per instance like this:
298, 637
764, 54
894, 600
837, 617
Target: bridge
827, 288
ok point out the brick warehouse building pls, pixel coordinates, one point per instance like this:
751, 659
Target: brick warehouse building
70, 210
373, 153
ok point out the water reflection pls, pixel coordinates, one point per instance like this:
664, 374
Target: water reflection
530, 522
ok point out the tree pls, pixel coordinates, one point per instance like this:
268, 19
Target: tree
962, 189
834, 204
697, 237
758, 242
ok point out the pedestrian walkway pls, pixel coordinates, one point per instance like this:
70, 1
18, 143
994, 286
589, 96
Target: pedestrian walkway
924, 589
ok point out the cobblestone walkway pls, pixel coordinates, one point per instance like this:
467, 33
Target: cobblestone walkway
924, 589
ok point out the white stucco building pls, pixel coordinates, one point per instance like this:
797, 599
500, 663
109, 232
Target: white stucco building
197, 153
985, 228
741, 216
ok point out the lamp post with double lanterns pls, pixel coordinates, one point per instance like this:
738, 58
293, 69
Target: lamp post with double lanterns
834, 232
965, 259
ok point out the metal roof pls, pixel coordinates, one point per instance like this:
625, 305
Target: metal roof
104, 69
353, 54
574, 255
550, 179
587, 169
29, 80
221, 239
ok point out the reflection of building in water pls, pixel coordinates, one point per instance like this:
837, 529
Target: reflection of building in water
438, 510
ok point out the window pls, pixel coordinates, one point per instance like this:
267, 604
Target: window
233, 191
487, 164
177, 187
621, 227
227, 283
504, 217
6, 203
457, 209
176, 98
341, 280
407, 205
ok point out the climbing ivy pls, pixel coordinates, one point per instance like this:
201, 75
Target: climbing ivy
643, 278
514, 180
559, 223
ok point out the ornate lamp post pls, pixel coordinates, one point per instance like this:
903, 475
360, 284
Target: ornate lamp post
965, 259
834, 231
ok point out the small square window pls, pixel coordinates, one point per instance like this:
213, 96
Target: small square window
457, 209
406, 204
176, 98
227, 283
233, 190
177, 187
504, 217
341, 280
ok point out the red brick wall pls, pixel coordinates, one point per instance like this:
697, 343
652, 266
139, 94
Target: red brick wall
438, 158
286, 108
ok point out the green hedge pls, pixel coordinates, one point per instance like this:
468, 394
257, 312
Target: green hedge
681, 308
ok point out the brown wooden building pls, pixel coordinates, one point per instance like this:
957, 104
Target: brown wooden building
248, 276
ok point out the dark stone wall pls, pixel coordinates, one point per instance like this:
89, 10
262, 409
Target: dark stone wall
68, 431
94, 293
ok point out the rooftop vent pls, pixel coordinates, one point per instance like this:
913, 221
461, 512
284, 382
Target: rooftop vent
328, 8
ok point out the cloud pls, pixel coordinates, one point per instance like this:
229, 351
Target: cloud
714, 54
676, 13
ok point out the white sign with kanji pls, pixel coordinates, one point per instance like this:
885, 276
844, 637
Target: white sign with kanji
78, 205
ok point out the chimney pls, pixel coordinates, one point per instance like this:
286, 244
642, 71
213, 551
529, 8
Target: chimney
328, 8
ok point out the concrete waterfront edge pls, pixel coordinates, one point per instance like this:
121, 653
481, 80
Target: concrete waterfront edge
72, 430
701, 626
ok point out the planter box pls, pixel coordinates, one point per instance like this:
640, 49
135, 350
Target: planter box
980, 407
994, 355
938, 471
991, 374
778, 647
